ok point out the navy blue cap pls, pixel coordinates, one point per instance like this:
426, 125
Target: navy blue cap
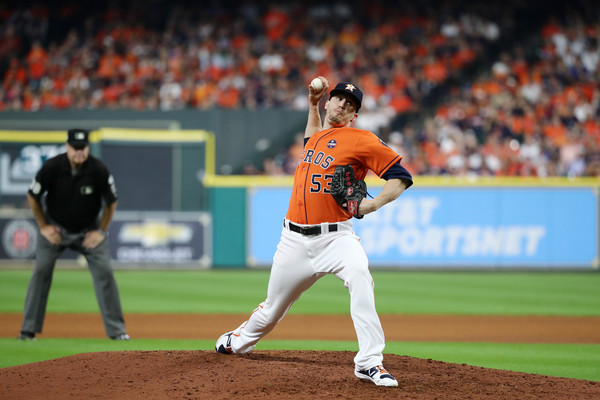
349, 89
78, 137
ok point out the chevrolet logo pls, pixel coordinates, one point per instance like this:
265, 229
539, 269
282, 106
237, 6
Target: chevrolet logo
152, 234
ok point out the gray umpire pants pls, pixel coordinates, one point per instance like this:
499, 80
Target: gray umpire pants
105, 285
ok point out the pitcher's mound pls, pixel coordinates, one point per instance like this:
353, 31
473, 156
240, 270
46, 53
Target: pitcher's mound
270, 374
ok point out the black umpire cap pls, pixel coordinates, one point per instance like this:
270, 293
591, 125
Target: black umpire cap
350, 90
78, 138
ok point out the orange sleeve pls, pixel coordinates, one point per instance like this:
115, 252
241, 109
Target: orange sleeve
375, 154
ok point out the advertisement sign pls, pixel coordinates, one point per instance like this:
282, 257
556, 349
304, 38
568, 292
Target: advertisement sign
457, 227
164, 239
18, 165
19, 238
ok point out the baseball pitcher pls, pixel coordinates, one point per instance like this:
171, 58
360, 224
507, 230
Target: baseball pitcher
317, 236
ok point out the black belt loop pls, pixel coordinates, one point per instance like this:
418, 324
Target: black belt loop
309, 230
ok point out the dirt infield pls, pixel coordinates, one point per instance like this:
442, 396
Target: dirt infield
290, 374
428, 328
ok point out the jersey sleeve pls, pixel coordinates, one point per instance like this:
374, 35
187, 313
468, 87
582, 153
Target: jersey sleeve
397, 171
38, 185
44, 177
109, 187
375, 154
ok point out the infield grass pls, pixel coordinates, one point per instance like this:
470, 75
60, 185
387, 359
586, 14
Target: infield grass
397, 292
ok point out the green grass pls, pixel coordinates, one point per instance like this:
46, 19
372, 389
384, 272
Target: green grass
397, 292
15, 352
580, 361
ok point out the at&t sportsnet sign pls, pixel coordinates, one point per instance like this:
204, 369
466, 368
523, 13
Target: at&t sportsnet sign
454, 227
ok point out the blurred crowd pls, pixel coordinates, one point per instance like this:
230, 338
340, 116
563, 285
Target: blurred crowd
232, 54
529, 114
534, 113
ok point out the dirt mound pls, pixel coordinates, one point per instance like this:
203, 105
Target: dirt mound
270, 374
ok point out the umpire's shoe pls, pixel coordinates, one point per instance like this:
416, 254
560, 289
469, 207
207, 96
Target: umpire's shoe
223, 345
378, 375
24, 335
122, 336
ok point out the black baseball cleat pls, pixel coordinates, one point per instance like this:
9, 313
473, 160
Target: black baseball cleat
24, 335
122, 336
223, 345
378, 375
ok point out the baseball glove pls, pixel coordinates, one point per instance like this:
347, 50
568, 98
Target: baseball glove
347, 191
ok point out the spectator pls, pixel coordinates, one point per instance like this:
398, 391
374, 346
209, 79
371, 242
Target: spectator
125, 65
262, 55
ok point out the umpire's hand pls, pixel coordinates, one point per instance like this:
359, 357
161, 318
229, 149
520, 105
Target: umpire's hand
52, 234
92, 239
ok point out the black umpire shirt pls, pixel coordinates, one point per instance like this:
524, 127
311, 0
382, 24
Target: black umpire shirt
74, 200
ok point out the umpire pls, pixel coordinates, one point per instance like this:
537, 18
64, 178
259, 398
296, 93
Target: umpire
75, 183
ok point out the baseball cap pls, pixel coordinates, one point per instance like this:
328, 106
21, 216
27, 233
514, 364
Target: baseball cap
78, 138
349, 89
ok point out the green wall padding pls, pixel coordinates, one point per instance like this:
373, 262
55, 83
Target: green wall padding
229, 227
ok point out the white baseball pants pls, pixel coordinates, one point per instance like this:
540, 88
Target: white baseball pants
298, 263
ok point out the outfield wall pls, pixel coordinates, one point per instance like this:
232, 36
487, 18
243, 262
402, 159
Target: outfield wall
161, 219
155, 170
499, 227
441, 222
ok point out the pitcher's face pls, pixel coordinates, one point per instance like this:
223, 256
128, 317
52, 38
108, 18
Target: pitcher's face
341, 111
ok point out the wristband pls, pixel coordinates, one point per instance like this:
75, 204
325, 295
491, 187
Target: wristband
102, 232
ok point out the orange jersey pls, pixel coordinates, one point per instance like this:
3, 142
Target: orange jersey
311, 202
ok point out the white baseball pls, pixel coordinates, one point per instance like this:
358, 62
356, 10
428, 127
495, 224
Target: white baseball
317, 84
